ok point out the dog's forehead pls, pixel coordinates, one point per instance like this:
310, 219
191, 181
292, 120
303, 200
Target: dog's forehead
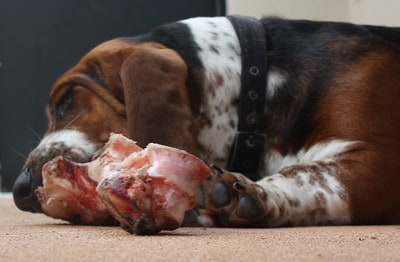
111, 46
121, 47
105, 50
101, 61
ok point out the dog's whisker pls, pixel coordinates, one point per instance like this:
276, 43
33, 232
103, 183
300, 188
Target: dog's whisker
35, 133
74, 119
33, 143
23, 156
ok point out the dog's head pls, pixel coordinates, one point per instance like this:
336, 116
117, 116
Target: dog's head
118, 87
85, 105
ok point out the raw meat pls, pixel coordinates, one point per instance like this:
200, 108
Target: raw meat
69, 188
152, 189
70, 194
145, 190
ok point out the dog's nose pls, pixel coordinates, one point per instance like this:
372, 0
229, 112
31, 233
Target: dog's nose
24, 192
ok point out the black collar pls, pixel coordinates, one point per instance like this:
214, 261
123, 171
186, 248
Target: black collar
248, 147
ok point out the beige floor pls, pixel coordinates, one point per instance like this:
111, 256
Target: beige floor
35, 237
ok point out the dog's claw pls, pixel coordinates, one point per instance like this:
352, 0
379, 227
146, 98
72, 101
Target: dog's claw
239, 187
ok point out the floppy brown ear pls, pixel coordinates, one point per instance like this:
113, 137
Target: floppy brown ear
157, 104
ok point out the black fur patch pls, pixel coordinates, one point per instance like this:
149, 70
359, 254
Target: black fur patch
176, 36
310, 54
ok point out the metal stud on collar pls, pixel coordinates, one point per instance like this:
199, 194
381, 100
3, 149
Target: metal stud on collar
254, 70
253, 95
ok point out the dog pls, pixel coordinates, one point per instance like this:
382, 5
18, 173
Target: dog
300, 119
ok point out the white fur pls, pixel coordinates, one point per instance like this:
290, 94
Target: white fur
304, 186
275, 80
218, 34
281, 190
76, 141
326, 152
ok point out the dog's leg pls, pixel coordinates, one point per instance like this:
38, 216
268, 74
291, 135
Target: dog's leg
298, 195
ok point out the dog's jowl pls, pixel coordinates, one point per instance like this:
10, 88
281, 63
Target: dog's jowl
299, 120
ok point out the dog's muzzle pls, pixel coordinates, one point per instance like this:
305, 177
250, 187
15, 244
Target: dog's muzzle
72, 144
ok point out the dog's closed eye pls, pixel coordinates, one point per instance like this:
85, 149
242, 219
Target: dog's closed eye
62, 106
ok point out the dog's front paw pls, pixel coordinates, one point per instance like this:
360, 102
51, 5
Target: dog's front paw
231, 199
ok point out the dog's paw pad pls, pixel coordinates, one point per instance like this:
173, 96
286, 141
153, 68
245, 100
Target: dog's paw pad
221, 195
231, 198
247, 207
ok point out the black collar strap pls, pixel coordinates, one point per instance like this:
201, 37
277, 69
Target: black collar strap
248, 147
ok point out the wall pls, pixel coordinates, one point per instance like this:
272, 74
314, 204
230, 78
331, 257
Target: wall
357, 11
375, 12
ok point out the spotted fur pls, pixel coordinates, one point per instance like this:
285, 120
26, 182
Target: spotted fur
214, 37
304, 188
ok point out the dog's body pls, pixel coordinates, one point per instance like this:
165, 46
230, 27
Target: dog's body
332, 117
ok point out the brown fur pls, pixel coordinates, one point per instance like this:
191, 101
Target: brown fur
115, 62
351, 111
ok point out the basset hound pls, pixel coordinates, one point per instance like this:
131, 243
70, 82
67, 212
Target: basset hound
321, 136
